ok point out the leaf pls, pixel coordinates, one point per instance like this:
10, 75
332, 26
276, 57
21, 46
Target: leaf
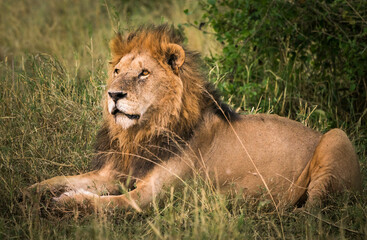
212, 2
352, 87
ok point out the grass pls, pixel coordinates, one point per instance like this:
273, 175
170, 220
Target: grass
53, 57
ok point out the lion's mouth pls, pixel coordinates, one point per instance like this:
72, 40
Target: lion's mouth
129, 116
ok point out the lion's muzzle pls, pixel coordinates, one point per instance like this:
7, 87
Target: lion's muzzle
115, 96
115, 111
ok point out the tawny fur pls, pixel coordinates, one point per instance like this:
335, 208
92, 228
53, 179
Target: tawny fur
183, 128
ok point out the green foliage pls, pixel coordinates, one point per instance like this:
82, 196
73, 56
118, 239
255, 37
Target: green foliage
315, 50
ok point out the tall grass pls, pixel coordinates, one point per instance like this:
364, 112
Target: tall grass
53, 59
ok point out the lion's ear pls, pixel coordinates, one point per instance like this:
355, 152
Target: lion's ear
175, 56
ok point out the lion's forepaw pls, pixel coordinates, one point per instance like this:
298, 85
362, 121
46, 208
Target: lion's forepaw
80, 199
76, 195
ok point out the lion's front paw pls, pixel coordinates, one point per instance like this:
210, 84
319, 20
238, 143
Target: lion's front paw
39, 197
80, 199
40, 193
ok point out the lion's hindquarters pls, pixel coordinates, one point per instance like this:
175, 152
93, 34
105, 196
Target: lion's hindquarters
294, 161
334, 167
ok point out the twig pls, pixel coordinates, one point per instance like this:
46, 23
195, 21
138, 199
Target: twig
350, 5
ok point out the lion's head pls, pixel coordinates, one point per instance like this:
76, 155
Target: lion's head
141, 87
152, 82
155, 91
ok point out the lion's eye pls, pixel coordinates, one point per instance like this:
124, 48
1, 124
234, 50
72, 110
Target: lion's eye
144, 73
116, 71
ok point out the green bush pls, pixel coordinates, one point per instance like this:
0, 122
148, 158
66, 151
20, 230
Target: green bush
280, 54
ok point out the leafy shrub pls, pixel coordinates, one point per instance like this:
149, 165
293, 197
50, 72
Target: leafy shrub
282, 53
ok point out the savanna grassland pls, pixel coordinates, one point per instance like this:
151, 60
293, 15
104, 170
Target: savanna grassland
53, 65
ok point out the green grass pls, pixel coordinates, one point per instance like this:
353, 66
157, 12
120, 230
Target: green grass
53, 60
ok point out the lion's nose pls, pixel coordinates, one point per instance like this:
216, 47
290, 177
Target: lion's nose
117, 95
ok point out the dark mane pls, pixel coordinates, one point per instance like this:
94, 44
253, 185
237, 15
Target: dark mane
221, 109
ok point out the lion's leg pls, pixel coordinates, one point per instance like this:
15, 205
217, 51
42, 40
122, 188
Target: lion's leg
97, 182
334, 167
166, 174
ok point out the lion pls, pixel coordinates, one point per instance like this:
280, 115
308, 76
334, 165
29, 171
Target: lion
163, 122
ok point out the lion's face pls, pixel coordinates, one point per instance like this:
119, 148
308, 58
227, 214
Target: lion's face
139, 88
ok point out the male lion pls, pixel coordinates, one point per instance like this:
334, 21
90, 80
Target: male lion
164, 122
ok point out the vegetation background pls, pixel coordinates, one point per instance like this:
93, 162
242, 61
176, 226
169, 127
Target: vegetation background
306, 60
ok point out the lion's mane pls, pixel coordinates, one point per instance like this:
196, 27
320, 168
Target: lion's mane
136, 149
